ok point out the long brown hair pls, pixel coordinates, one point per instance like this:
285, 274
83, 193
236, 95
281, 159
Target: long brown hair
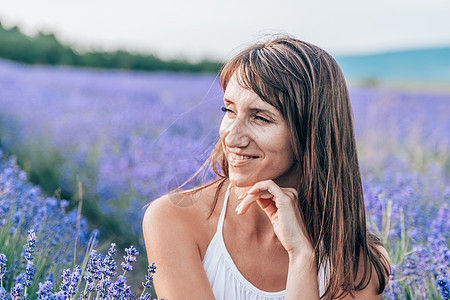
307, 86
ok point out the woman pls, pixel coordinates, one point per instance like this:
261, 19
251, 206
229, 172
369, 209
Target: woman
285, 219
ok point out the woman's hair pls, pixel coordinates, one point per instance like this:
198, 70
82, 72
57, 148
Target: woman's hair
307, 86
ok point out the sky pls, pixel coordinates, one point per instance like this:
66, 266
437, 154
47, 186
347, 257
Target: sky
197, 29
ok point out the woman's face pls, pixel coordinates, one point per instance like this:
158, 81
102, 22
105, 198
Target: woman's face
255, 139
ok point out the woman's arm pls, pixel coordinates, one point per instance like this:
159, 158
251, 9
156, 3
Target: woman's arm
170, 244
302, 278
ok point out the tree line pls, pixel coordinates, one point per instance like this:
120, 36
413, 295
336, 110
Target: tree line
46, 49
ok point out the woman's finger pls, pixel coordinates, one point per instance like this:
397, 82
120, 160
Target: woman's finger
248, 200
267, 185
266, 190
268, 206
281, 196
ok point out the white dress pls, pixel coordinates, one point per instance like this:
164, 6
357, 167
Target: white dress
226, 281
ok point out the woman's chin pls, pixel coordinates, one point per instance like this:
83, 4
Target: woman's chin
240, 182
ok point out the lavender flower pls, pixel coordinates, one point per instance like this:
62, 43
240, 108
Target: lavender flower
3, 269
29, 247
3, 294
68, 287
120, 289
109, 264
44, 292
145, 296
92, 287
103, 287
443, 285
16, 291
65, 284
149, 280
29, 274
24, 205
74, 279
129, 258
149, 277
93, 270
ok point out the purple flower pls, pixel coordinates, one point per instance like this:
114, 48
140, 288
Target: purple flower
30, 245
120, 289
92, 287
103, 287
109, 264
74, 279
149, 277
65, 284
443, 285
129, 258
29, 274
94, 267
3, 294
68, 286
16, 291
145, 296
3, 269
44, 292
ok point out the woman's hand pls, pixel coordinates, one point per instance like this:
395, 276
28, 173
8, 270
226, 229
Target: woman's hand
281, 206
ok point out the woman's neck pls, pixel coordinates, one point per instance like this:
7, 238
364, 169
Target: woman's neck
254, 222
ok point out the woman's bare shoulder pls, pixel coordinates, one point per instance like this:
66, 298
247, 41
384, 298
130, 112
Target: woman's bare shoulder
179, 209
174, 228
167, 212
384, 253
370, 292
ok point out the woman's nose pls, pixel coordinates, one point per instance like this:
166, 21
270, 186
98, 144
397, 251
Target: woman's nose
237, 134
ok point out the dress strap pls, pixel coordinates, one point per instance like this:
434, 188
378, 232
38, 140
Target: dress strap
224, 209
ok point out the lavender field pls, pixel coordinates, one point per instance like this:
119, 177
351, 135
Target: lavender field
129, 137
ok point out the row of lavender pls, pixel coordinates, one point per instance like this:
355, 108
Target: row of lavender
119, 131
40, 268
131, 137
23, 206
116, 131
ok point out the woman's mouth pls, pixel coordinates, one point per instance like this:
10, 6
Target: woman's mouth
237, 160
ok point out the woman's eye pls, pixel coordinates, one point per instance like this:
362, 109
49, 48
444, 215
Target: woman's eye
262, 119
226, 110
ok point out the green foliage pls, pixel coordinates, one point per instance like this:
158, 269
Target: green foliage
46, 49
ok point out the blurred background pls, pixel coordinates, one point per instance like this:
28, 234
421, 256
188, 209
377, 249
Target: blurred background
107, 105
378, 41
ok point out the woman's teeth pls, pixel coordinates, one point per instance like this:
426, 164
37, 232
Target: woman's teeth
239, 157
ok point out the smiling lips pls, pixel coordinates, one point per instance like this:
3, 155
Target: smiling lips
237, 160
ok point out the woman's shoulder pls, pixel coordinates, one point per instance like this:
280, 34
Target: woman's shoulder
377, 275
176, 231
179, 209
384, 255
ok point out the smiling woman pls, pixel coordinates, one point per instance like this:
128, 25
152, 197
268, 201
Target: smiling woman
247, 134
287, 155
